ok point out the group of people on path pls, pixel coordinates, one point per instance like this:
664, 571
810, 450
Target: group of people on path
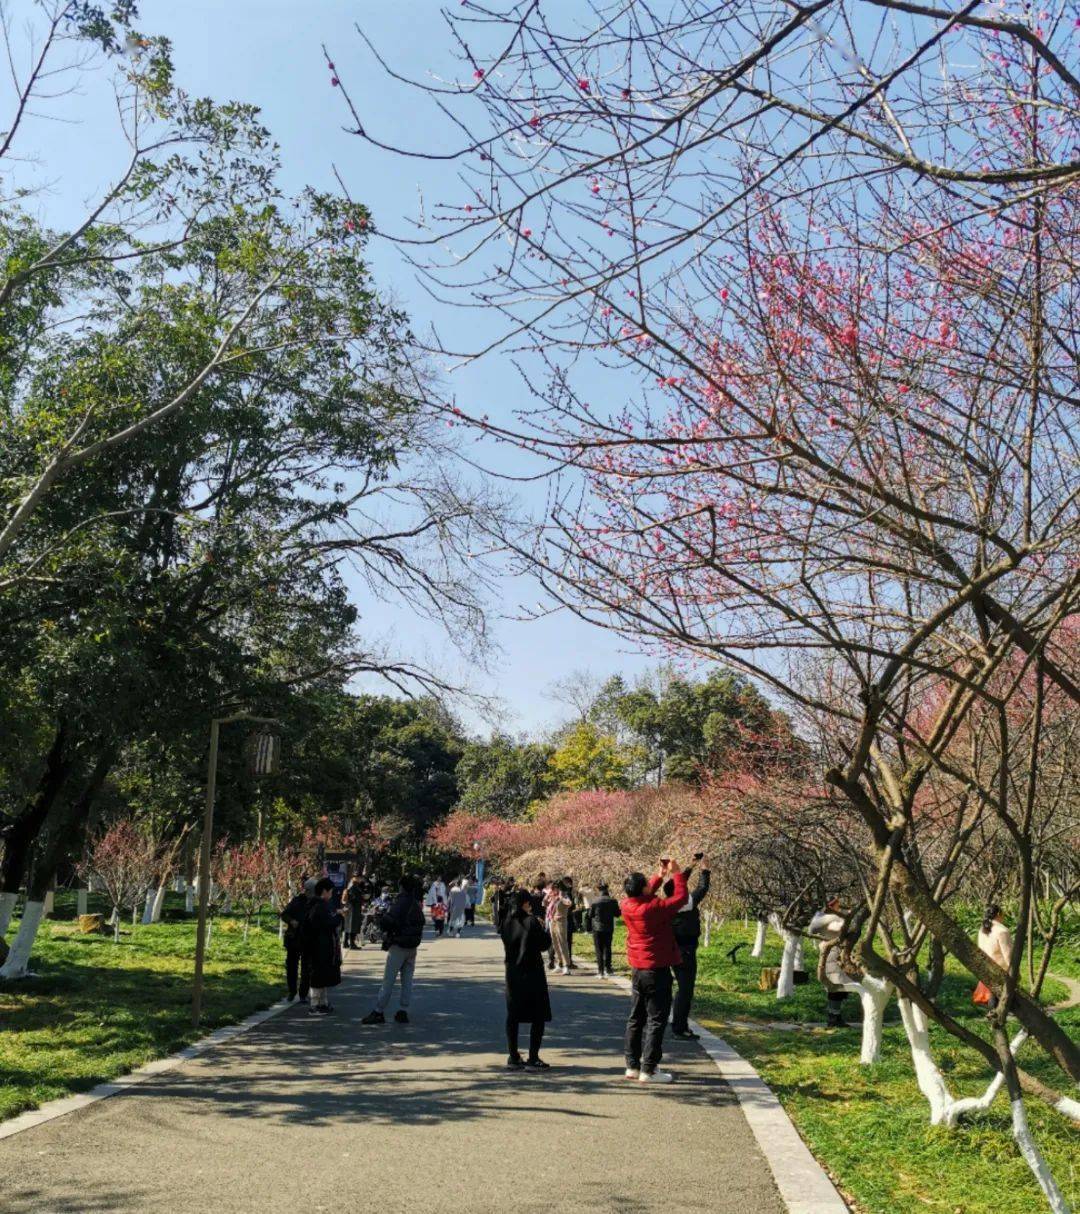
663, 925
452, 909
320, 921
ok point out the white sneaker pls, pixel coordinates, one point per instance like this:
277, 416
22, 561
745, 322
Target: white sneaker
632, 1072
565, 971
655, 1077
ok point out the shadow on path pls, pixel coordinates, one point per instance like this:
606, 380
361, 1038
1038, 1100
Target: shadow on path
417, 1113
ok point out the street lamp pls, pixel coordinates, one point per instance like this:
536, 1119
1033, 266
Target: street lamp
264, 756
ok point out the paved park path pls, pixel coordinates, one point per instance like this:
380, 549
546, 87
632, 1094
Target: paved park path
305, 1114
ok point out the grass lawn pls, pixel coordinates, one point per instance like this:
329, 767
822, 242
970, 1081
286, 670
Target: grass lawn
854, 1118
98, 1009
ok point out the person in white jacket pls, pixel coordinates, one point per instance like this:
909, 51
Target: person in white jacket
828, 926
996, 941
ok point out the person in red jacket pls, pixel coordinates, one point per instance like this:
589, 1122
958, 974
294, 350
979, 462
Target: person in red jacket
651, 951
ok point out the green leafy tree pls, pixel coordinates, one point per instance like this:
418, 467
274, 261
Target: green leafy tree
503, 778
586, 758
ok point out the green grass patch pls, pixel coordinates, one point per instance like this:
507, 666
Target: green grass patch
869, 1126
97, 1009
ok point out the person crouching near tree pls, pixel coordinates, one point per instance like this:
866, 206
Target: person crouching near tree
525, 941
651, 951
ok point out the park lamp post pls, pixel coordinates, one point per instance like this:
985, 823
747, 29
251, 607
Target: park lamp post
263, 755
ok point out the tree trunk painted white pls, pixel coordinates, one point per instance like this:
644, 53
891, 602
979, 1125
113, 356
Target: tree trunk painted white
148, 905
281, 929
18, 960
159, 903
785, 987
209, 931
874, 995
759, 938
945, 1110
179, 884
708, 928
929, 1078
7, 909
1033, 1157
799, 963
134, 914
49, 903
80, 901
189, 900
116, 924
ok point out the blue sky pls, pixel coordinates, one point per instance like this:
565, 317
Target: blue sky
269, 53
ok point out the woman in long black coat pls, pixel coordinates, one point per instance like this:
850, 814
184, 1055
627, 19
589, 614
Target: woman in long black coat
322, 944
527, 1002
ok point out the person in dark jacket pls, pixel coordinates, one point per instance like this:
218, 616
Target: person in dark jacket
500, 904
352, 902
525, 942
403, 927
687, 925
651, 951
322, 944
296, 960
601, 917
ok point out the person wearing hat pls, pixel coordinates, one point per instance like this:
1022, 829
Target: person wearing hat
296, 964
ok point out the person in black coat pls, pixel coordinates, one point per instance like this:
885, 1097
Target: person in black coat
525, 942
322, 944
296, 959
600, 918
500, 904
687, 927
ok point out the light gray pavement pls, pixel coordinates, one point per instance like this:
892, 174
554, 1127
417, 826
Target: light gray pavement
305, 1114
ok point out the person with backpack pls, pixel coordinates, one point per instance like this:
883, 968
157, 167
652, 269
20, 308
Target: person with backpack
403, 925
651, 952
600, 921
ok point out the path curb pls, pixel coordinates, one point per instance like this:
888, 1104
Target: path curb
804, 1185
69, 1104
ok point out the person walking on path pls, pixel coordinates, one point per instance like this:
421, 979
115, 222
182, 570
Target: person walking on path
436, 890
651, 951
601, 917
322, 943
995, 940
438, 916
472, 889
296, 959
525, 942
403, 925
456, 904
687, 925
557, 915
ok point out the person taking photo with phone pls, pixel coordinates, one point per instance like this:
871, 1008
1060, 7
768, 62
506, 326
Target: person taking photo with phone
687, 925
651, 951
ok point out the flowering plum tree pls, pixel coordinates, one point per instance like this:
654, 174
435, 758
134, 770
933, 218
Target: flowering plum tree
123, 859
839, 302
